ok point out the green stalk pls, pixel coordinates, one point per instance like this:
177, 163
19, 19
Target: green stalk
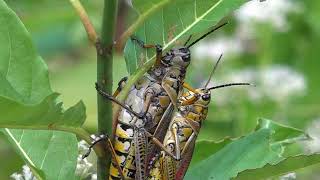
104, 78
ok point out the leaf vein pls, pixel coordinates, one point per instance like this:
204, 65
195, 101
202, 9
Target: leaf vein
195, 9
10, 54
45, 155
20, 148
136, 56
180, 18
162, 24
192, 24
21, 136
145, 37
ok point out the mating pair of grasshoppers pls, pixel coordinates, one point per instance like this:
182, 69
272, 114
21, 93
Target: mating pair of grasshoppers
149, 102
150, 141
183, 131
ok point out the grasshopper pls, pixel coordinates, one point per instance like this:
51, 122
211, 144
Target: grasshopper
149, 102
150, 98
182, 132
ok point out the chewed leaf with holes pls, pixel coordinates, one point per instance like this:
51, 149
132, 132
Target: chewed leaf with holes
51, 155
173, 24
286, 166
271, 143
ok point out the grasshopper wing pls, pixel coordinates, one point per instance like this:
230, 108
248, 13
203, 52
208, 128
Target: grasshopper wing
160, 132
185, 162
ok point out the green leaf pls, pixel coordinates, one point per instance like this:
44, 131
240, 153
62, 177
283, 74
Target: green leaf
266, 145
171, 24
175, 22
51, 155
46, 115
202, 151
142, 6
26, 98
142, 10
27, 102
288, 165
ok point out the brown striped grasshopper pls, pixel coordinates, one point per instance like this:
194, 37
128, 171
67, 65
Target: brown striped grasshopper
182, 132
150, 99
149, 102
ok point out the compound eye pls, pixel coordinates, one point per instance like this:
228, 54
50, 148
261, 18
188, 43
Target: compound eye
166, 59
206, 97
184, 50
186, 58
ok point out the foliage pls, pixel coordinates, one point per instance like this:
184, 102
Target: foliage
27, 101
49, 154
266, 145
175, 23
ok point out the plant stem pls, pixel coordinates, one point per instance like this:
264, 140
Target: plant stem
104, 78
92, 35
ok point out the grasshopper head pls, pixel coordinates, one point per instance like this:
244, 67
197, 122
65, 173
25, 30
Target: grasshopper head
204, 96
194, 104
177, 57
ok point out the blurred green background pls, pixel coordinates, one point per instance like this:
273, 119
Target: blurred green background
274, 44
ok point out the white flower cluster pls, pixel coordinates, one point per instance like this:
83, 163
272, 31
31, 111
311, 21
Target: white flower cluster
277, 83
25, 175
84, 168
290, 176
280, 83
83, 147
129, 2
313, 145
213, 49
270, 11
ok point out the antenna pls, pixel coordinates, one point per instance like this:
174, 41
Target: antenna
213, 70
111, 98
213, 30
189, 38
230, 84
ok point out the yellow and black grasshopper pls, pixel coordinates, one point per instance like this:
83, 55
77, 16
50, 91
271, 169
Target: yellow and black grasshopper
182, 132
149, 102
146, 104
